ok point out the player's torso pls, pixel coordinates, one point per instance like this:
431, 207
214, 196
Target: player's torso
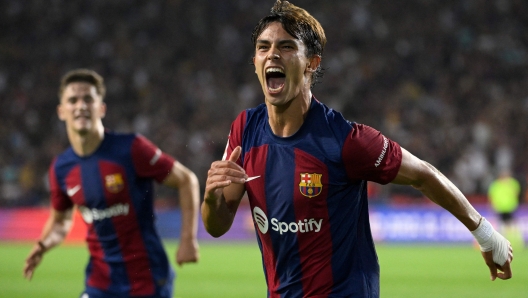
306, 210
117, 205
103, 185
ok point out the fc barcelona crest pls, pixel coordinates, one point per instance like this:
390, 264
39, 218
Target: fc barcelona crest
114, 183
310, 185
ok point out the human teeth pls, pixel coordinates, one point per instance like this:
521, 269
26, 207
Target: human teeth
274, 69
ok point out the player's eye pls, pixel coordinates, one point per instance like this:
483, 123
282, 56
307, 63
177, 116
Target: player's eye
88, 99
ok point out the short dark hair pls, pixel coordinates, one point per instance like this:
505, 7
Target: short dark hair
83, 75
299, 24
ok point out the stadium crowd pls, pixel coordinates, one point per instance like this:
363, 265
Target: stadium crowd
445, 79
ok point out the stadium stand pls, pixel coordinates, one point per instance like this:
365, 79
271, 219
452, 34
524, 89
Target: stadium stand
445, 79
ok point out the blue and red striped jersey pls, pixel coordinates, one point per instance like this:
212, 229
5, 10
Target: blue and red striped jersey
113, 190
309, 204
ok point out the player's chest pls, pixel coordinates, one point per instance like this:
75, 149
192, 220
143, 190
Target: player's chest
282, 174
97, 184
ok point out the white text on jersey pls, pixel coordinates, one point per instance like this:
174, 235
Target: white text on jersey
380, 158
308, 225
89, 215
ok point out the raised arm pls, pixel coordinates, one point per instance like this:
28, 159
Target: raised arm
187, 184
55, 230
496, 250
224, 190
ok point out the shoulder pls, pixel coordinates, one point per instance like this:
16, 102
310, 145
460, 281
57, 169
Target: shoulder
251, 115
325, 116
67, 157
122, 142
249, 119
368, 138
362, 131
120, 136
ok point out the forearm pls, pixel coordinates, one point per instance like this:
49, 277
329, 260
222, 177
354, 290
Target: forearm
189, 204
443, 192
56, 229
217, 217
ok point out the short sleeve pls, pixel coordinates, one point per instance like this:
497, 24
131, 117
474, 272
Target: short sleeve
235, 136
149, 161
369, 155
59, 200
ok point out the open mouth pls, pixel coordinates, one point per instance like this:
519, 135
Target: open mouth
275, 79
81, 116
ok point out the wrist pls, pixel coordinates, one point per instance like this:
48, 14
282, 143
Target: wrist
483, 233
41, 246
187, 237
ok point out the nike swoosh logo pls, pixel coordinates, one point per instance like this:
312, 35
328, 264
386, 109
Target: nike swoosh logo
252, 178
73, 190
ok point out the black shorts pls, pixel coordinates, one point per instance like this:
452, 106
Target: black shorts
506, 216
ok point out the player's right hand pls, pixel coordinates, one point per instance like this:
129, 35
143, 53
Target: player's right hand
32, 261
221, 174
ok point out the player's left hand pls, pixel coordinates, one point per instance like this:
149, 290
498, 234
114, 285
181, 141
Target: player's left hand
188, 252
496, 270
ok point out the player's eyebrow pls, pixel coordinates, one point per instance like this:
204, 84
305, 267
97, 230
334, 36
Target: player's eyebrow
280, 42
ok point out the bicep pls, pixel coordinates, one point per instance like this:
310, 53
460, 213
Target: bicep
413, 171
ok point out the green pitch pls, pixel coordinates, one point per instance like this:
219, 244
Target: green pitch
235, 270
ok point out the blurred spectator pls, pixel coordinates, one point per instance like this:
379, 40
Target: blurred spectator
454, 73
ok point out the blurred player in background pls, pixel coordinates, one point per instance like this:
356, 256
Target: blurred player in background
109, 178
305, 170
504, 194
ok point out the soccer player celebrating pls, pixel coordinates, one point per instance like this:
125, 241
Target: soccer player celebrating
305, 170
109, 177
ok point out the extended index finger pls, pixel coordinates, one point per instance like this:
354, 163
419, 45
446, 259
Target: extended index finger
235, 154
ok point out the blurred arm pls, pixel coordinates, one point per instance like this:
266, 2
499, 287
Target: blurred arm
55, 230
187, 184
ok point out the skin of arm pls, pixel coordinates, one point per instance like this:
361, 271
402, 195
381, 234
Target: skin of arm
55, 230
187, 184
224, 190
434, 185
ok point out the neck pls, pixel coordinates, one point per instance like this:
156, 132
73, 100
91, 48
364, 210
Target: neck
285, 120
86, 143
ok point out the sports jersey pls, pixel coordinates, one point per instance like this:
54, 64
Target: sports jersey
309, 204
113, 189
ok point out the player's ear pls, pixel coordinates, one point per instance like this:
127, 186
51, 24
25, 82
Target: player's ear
313, 63
60, 113
103, 110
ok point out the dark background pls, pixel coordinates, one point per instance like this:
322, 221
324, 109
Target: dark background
445, 79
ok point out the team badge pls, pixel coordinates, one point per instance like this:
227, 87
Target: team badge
310, 185
114, 183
